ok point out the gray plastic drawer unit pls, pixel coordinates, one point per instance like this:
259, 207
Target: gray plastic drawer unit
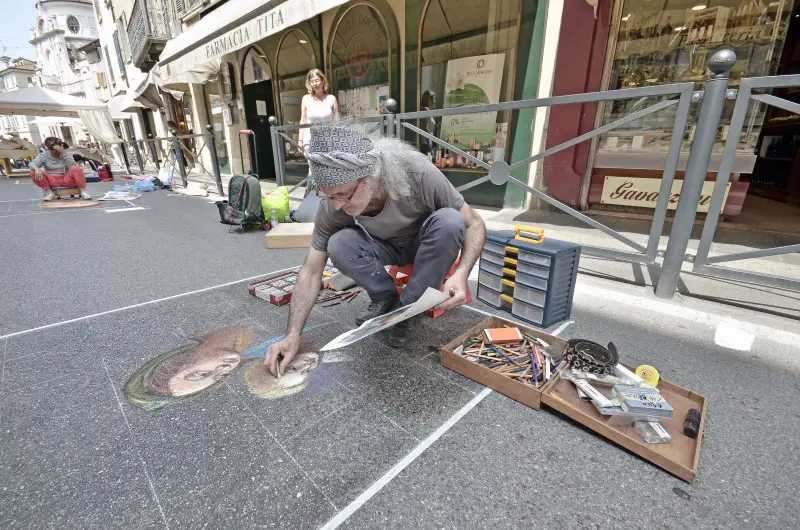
543, 275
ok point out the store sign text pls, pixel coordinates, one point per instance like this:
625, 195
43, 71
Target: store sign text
235, 39
644, 193
288, 14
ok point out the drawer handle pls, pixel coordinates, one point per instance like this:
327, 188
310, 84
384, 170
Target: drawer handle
508, 283
512, 250
524, 232
506, 298
510, 261
510, 272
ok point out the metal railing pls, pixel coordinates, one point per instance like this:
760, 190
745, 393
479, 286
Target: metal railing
705, 265
148, 32
499, 171
181, 154
679, 96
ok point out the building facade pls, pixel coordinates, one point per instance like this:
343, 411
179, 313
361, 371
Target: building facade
238, 63
15, 74
139, 105
65, 37
617, 44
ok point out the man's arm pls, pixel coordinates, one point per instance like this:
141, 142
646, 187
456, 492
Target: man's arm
473, 240
456, 286
305, 292
281, 353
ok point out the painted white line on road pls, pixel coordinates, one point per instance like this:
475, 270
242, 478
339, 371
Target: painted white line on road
351, 508
560, 329
730, 334
641, 303
134, 306
23, 200
135, 208
379, 484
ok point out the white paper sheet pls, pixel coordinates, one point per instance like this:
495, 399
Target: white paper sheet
430, 299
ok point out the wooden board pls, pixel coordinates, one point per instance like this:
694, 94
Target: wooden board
290, 235
62, 192
524, 393
679, 457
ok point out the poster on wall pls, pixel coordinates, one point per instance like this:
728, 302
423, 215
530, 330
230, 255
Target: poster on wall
363, 102
472, 81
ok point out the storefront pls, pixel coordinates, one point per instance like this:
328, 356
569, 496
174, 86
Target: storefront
655, 42
418, 52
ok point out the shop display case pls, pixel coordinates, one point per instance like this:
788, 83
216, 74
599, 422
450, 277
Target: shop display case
662, 42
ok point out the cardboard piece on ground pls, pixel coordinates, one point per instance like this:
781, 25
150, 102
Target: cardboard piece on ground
522, 392
290, 235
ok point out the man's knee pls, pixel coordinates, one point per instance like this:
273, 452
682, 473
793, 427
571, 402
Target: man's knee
343, 246
445, 224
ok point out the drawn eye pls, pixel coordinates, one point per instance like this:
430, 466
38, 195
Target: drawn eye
198, 375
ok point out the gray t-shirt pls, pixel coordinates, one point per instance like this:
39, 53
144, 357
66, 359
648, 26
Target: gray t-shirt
400, 221
55, 166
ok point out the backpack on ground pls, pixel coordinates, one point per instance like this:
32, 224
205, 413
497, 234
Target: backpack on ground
243, 207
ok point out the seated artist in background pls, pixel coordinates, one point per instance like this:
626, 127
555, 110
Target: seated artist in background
384, 204
54, 168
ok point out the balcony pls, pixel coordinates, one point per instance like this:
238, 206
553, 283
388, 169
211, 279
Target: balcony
148, 32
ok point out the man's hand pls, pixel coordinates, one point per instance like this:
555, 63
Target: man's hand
281, 352
38, 174
456, 287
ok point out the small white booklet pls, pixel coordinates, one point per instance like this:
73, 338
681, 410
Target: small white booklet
430, 299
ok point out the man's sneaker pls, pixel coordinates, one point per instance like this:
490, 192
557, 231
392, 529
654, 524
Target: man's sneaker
85, 195
400, 333
49, 196
376, 309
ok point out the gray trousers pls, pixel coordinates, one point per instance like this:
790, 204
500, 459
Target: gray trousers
433, 252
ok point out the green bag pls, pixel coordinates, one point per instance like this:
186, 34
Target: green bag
277, 199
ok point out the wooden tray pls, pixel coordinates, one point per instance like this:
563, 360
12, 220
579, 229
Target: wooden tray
524, 393
679, 457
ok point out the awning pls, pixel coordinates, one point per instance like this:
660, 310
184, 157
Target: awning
52, 121
231, 27
149, 91
121, 107
38, 101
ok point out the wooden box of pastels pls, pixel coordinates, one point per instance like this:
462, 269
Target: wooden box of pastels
508, 358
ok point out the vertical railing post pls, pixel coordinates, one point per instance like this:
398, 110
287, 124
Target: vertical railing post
125, 159
212, 149
391, 123
153, 152
705, 136
277, 152
138, 154
178, 153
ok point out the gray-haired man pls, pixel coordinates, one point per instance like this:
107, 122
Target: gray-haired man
385, 204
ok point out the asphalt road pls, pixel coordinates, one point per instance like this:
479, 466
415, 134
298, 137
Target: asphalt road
74, 452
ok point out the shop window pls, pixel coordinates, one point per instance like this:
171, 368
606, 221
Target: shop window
671, 42
255, 67
467, 56
73, 24
216, 108
361, 61
295, 58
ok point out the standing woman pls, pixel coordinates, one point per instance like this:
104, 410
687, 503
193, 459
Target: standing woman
317, 107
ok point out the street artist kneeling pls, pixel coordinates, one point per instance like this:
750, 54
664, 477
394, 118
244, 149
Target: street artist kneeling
383, 204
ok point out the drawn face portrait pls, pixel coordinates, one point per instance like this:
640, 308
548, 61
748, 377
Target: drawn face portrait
293, 379
189, 371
